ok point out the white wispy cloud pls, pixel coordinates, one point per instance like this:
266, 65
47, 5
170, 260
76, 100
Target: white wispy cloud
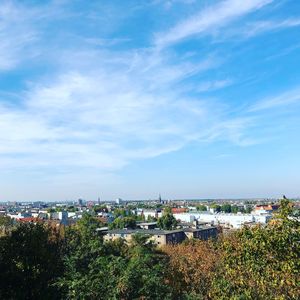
213, 85
102, 109
170, 3
16, 33
100, 98
286, 98
109, 115
284, 52
259, 27
208, 19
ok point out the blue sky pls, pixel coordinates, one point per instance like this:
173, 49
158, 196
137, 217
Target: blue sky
190, 99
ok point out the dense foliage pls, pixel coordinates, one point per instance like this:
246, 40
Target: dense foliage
97, 270
6, 224
227, 208
262, 262
30, 263
167, 221
201, 207
258, 262
123, 222
191, 268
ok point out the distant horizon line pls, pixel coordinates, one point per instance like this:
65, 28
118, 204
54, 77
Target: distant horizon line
155, 199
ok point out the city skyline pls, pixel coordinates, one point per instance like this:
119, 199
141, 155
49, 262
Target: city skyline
195, 99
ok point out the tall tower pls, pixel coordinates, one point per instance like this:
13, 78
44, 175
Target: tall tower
159, 198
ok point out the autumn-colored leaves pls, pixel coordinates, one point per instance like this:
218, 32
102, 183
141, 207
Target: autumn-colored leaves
251, 263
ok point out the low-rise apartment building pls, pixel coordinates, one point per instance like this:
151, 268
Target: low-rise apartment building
159, 237
201, 233
163, 237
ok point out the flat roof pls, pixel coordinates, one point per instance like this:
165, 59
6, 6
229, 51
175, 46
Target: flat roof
144, 231
197, 229
102, 229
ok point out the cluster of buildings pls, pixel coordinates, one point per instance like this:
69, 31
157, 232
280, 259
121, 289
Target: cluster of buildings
192, 223
54, 213
228, 221
225, 220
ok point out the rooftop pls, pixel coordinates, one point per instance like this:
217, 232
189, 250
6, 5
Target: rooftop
146, 223
196, 229
144, 231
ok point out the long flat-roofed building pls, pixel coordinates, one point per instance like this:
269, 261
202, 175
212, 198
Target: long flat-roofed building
159, 237
163, 237
201, 233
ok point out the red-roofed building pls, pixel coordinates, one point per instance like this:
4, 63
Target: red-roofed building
179, 210
269, 207
30, 220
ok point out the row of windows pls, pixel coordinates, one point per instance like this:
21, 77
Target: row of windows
122, 234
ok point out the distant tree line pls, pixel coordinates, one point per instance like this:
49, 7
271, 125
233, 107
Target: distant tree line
39, 262
228, 208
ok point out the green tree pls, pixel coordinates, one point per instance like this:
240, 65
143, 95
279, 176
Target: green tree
235, 209
121, 212
30, 262
6, 225
151, 219
201, 207
248, 209
144, 275
167, 221
123, 222
100, 208
81, 251
112, 270
216, 207
226, 208
71, 208
261, 262
6, 221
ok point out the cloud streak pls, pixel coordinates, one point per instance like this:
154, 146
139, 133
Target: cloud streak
208, 19
16, 34
284, 99
259, 27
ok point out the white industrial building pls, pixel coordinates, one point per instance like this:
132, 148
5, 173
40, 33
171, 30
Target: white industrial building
149, 213
228, 220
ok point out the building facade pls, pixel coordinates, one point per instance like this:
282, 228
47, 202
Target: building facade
163, 237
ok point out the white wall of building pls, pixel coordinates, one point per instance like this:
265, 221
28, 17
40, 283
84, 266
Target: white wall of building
232, 220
